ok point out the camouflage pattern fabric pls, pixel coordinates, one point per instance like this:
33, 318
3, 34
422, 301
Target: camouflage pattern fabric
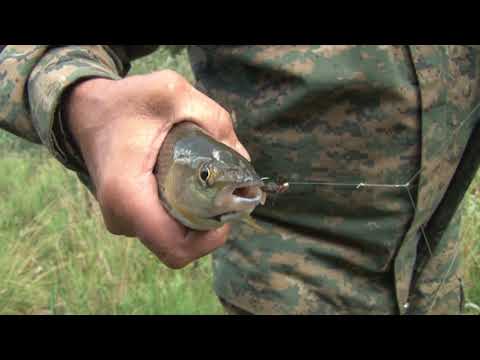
400, 117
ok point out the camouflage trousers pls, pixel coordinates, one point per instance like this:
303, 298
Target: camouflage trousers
231, 309
262, 288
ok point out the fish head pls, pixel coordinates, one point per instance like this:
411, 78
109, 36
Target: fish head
226, 187
208, 184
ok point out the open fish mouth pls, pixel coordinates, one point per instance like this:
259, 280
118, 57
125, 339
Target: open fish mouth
238, 200
248, 194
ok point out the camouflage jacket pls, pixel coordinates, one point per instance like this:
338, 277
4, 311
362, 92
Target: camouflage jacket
388, 131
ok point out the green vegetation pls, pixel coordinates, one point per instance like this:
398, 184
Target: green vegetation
57, 258
471, 247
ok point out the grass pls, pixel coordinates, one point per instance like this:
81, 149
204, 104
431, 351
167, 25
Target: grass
57, 258
471, 247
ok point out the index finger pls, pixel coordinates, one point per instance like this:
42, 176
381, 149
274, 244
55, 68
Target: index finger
212, 117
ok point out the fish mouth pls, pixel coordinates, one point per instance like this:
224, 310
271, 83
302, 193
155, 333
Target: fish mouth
238, 200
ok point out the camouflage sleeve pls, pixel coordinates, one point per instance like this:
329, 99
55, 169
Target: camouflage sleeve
33, 79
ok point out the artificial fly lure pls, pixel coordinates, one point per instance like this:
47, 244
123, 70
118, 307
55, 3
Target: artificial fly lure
275, 187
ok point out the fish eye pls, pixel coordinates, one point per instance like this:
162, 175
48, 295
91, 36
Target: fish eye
204, 175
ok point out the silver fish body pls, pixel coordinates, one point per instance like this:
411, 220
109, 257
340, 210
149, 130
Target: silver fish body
203, 183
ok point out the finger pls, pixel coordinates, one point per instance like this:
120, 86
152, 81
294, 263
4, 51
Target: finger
133, 208
204, 243
238, 147
170, 241
153, 225
209, 115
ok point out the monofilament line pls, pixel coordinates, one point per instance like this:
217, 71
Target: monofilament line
402, 184
354, 185
407, 185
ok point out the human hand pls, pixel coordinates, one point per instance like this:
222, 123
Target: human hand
120, 127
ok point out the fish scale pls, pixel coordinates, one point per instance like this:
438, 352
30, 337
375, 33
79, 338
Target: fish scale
199, 187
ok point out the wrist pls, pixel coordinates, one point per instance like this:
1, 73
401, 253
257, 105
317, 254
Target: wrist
81, 99
71, 113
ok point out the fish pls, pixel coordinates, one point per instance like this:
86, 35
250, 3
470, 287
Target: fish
203, 183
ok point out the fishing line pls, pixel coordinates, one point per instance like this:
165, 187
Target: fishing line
407, 186
355, 185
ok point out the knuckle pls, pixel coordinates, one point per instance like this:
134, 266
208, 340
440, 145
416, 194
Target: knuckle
175, 264
107, 192
110, 222
114, 215
174, 81
168, 73
112, 228
176, 261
